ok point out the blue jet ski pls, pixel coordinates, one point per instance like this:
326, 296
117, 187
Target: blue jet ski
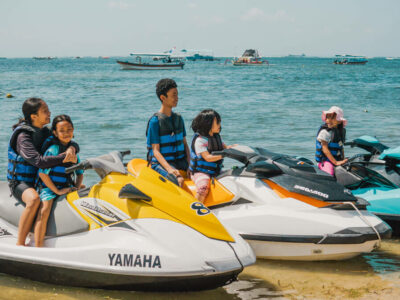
375, 176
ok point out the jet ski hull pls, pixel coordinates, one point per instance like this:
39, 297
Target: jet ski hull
289, 229
127, 257
308, 251
90, 279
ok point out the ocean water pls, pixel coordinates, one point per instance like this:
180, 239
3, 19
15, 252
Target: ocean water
277, 107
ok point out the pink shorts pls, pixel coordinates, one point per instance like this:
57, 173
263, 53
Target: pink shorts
327, 167
202, 181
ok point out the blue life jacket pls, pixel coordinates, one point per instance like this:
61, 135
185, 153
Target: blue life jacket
18, 169
199, 164
335, 146
57, 174
171, 138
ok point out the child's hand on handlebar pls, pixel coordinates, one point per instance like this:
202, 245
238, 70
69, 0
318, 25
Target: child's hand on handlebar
342, 162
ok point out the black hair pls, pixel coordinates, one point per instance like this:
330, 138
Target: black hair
30, 107
58, 119
203, 122
163, 86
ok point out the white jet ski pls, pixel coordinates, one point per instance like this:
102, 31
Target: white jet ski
126, 232
288, 209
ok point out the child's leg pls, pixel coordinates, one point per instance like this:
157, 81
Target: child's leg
46, 198
327, 167
202, 182
41, 222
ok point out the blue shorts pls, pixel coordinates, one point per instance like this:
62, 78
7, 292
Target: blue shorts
47, 194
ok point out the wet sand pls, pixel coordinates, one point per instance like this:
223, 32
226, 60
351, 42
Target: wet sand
370, 276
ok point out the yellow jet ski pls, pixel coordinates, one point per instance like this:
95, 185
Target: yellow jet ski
138, 232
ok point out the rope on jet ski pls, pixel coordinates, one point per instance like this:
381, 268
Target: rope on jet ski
366, 222
241, 265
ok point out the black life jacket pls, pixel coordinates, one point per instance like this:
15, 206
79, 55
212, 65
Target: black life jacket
335, 146
199, 164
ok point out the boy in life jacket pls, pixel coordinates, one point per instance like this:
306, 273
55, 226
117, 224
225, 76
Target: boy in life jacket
168, 152
54, 181
330, 140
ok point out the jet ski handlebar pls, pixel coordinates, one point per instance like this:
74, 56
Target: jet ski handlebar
84, 165
235, 154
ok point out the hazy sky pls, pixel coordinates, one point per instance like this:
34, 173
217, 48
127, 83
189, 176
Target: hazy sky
117, 27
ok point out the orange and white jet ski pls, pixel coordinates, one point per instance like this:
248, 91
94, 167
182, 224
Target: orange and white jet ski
287, 209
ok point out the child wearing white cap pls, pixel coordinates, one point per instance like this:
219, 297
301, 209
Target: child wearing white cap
330, 140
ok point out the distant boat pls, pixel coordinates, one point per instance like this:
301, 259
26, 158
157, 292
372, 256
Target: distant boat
250, 57
297, 55
392, 58
152, 61
350, 60
44, 57
194, 55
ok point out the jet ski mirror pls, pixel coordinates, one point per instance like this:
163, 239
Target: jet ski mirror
131, 192
263, 167
104, 164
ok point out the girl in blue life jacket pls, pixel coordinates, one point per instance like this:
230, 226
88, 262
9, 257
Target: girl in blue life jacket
203, 165
54, 181
330, 140
25, 157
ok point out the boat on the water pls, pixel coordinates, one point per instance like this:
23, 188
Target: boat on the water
350, 60
152, 61
44, 57
250, 57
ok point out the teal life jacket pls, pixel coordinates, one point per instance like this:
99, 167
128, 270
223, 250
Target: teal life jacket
199, 164
335, 146
171, 138
18, 169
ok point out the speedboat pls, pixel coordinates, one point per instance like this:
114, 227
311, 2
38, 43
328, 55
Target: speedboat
288, 209
375, 176
250, 57
125, 232
152, 61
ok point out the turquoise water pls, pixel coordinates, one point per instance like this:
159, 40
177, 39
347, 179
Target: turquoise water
277, 107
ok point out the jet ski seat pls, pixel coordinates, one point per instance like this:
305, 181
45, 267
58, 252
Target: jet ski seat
345, 177
218, 193
136, 165
63, 218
